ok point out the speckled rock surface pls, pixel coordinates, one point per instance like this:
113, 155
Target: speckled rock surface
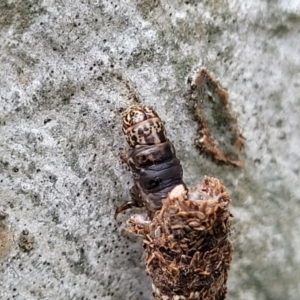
69, 67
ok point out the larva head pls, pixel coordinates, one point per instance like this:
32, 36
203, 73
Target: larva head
142, 126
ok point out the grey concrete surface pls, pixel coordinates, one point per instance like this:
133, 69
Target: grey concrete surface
69, 67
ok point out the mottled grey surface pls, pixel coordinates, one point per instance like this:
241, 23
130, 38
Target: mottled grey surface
68, 67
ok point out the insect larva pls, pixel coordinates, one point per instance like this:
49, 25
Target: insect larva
187, 237
151, 158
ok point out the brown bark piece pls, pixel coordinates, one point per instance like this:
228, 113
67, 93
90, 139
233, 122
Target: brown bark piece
187, 244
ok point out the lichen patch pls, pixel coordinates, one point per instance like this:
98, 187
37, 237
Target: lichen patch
219, 135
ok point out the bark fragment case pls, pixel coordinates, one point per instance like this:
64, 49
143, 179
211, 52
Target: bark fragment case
219, 137
187, 244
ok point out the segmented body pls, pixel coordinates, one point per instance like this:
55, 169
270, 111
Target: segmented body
151, 157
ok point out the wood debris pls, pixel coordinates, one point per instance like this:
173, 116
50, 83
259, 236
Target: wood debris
187, 243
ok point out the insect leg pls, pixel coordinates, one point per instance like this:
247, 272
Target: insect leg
136, 201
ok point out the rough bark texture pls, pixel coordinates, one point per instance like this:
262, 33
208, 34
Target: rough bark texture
187, 244
67, 69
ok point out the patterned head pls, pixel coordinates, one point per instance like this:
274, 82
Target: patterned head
143, 126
